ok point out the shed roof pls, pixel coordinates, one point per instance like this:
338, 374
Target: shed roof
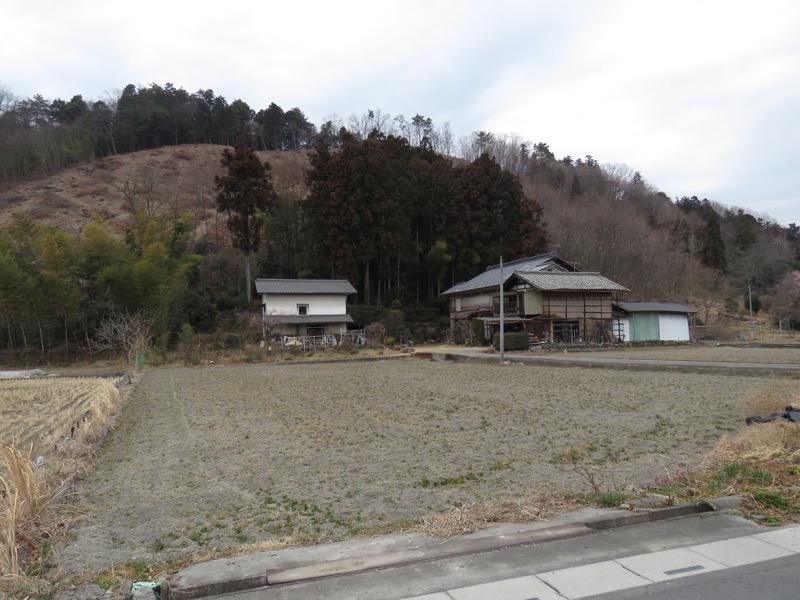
555, 282
491, 276
655, 307
304, 286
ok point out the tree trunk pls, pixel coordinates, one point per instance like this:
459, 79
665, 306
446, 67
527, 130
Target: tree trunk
366, 282
41, 334
248, 293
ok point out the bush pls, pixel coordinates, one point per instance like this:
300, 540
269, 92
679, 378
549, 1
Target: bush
188, 344
513, 341
232, 341
479, 332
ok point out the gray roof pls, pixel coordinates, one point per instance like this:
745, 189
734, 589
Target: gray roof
657, 307
309, 319
491, 276
304, 286
554, 282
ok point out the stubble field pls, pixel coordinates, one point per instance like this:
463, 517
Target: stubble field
213, 458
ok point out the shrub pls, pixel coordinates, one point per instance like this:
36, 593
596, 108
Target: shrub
513, 341
188, 344
232, 341
479, 332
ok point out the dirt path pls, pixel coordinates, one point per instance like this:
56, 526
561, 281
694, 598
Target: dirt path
205, 459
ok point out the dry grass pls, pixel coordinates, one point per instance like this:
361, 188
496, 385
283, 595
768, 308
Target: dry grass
24, 496
60, 421
760, 462
774, 398
776, 441
44, 412
476, 516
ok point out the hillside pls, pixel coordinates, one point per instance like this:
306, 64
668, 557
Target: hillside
170, 180
605, 219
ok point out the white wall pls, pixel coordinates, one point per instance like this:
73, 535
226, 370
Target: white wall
624, 325
674, 328
317, 305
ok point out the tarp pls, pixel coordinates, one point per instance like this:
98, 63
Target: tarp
790, 415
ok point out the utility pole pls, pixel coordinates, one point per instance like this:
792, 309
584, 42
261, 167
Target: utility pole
502, 322
750, 303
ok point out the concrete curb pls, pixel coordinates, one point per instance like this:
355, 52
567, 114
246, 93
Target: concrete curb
241, 573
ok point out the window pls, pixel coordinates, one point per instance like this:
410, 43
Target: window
302, 309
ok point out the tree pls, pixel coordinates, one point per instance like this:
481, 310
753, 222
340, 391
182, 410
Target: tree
245, 194
123, 332
786, 304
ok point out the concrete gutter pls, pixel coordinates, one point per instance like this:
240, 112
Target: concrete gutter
291, 566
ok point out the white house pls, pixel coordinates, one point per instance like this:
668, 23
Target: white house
305, 306
654, 321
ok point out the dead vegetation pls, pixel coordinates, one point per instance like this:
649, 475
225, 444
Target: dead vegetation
50, 431
760, 462
473, 517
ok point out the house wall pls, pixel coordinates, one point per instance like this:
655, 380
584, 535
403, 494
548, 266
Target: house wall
645, 327
533, 302
624, 328
569, 305
317, 304
674, 327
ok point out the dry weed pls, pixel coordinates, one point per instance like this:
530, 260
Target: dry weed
776, 441
772, 399
24, 496
476, 516
60, 422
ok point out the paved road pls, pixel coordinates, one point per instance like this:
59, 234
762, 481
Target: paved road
467, 355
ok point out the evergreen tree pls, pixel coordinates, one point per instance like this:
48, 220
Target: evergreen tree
245, 194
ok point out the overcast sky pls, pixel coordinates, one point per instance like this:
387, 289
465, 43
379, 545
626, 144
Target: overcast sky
702, 96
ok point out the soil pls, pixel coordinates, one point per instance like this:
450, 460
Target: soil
216, 458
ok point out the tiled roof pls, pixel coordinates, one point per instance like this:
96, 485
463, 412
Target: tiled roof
554, 282
309, 319
657, 307
304, 286
491, 276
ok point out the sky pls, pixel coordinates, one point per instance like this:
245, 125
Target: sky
702, 97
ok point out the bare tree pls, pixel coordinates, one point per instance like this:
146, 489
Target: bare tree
140, 190
123, 332
362, 125
786, 304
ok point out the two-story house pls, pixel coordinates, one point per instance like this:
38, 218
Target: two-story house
543, 295
299, 307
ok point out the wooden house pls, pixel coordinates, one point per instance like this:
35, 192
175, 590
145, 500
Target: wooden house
544, 295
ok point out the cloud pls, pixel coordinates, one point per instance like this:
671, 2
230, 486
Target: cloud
699, 96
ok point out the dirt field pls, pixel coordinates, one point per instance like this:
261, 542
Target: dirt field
211, 458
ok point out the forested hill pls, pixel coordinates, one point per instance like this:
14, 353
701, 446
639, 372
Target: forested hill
397, 206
